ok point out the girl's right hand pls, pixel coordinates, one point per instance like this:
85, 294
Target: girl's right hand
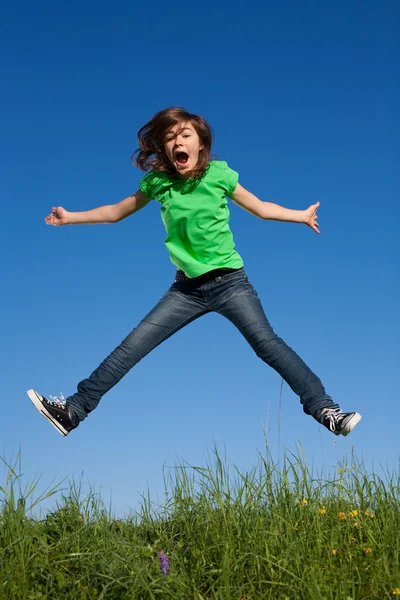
58, 216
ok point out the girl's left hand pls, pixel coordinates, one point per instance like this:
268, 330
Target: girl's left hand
311, 217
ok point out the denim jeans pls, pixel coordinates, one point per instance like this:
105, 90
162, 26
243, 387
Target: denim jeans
231, 295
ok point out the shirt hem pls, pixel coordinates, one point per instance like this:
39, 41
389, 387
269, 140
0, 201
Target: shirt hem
208, 268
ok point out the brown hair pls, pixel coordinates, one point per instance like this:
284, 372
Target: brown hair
150, 155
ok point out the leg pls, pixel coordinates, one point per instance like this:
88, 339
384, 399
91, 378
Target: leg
173, 311
243, 308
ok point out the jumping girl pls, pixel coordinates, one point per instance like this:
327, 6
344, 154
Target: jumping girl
175, 149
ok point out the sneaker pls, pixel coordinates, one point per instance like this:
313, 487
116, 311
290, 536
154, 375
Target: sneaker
338, 422
55, 410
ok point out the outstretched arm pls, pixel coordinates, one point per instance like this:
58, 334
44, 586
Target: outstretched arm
274, 212
111, 213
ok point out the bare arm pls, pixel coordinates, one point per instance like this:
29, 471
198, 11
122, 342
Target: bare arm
111, 213
274, 212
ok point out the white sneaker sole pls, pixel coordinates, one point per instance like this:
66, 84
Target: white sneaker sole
351, 424
37, 402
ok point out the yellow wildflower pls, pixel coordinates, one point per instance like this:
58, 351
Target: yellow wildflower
304, 501
322, 510
396, 592
334, 552
342, 516
367, 551
353, 513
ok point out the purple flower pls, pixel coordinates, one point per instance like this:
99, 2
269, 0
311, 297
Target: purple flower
164, 562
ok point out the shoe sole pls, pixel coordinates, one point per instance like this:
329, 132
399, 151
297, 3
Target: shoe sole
350, 424
36, 400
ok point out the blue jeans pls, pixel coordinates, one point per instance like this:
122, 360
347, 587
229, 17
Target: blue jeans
231, 295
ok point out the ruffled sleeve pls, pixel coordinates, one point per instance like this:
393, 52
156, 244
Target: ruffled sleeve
228, 177
153, 184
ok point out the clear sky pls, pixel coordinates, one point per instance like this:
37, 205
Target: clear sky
303, 98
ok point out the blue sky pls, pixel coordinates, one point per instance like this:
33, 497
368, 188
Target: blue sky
303, 99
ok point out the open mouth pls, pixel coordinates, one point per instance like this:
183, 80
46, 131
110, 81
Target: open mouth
181, 158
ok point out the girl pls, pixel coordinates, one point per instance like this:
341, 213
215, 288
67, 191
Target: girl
175, 148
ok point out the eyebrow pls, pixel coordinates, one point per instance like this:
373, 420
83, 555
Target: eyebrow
171, 133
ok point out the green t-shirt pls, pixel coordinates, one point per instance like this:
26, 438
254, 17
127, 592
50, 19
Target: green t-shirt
196, 217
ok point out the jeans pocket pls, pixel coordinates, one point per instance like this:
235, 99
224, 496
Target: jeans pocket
250, 285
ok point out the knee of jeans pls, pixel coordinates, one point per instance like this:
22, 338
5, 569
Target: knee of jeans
264, 346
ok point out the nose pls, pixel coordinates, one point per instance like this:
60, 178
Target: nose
178, 142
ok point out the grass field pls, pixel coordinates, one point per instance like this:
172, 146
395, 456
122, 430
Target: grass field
278, 531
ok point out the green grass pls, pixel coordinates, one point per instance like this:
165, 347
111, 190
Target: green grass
276, 532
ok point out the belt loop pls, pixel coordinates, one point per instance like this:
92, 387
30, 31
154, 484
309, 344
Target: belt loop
180, 276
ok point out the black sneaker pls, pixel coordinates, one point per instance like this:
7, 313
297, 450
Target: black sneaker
54, 410
338, 422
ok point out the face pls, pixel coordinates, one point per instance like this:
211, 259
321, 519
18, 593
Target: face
182, 146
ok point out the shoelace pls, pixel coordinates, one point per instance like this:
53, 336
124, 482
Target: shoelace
333, 417
58, 400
